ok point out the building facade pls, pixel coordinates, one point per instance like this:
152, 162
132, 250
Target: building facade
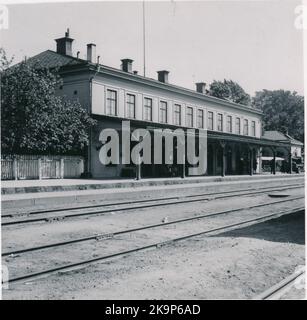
112, 95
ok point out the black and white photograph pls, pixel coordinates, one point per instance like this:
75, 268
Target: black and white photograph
153, 151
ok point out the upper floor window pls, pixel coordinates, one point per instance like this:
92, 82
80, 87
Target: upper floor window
200, 118
131, 106
148, 109
163, 112
189, 117
111, 102
238, 125
177, 114
253, 128
245, 127
229, 123
210, 120
219, 122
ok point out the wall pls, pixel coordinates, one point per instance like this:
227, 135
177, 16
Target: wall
76, 88
98, 169
103, 82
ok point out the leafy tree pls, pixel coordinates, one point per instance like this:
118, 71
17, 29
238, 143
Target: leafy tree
34, 118
229, 90
283, 111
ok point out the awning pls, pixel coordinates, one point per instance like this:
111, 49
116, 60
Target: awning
271, 158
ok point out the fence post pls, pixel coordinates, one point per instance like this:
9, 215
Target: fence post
39, 168
15, 169
62, 168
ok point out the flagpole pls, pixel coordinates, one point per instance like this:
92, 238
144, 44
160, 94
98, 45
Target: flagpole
144, 46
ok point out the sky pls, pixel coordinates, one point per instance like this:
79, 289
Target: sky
254, 43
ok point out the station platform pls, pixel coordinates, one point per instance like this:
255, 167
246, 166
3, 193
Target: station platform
57, 185
33, 192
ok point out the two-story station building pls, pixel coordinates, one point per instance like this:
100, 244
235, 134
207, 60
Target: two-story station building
112, 95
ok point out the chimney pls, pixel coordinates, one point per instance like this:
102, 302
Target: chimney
201, 87
91, 52
163, 76
64, 45
127, 65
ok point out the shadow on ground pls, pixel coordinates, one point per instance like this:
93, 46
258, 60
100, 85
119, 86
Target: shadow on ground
289, 228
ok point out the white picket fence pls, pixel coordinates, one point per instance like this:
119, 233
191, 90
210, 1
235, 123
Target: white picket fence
40, 167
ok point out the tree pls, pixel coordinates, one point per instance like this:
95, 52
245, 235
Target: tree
283, 111
34, 118
229, 90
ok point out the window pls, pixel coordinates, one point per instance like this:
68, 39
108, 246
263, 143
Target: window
200, 118
131, 106
229, 123
177, 114
245, 127
238, 125
253, 128
163, 112
189, 120
148, 109
219, 122
111, 102
210, 120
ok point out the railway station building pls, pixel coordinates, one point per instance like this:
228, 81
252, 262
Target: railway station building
236, 143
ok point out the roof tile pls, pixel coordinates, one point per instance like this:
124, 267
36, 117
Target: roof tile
51, 59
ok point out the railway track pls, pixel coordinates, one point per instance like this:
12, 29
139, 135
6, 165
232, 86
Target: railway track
283, 287
42, 215
117, 233
225, 227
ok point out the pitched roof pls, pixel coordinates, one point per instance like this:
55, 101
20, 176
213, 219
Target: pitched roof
51, 59
274, 135
294, 141
279, 136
